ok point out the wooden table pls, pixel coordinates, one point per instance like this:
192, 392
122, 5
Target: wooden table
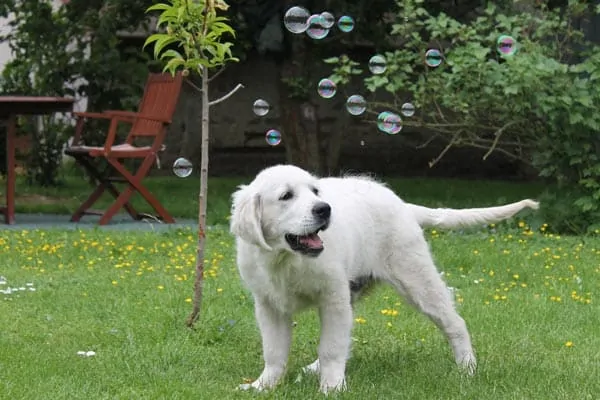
10, 107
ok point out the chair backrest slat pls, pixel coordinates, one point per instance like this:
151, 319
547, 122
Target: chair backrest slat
159, 100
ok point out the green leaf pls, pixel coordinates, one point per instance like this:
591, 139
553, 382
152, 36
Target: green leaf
161, 43
173, 64
511, 89
171, 54
159, 7
331, 60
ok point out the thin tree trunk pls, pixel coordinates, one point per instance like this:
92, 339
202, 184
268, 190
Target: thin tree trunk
202, 204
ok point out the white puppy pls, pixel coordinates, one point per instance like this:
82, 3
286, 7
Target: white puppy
304, 241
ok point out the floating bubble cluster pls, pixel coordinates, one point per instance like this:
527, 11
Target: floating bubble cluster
506, 45
317, 26
182, 167
356, 104
433, 58
326, 88
273, 137
377, 64
261, 107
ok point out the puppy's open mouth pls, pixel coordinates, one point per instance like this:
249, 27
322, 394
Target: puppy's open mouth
309, 244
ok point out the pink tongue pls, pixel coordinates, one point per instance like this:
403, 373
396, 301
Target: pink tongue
311, 241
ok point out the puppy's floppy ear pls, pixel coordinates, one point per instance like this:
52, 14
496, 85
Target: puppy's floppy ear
246, 217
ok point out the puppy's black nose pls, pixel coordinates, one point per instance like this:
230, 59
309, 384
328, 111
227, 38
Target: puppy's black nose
322, 210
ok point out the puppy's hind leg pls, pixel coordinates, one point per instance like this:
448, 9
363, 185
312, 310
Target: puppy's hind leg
414, 275
276, 332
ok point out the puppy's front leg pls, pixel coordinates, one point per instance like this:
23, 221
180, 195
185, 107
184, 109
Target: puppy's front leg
336, 324
276, 332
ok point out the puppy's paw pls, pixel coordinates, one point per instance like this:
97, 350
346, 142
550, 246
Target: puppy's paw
313, 368
256, 385
467, 364
267, 380
333, 386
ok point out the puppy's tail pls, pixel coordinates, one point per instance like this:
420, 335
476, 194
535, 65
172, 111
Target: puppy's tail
460, 218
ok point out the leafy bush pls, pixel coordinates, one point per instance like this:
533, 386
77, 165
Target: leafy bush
70, 50
537, 106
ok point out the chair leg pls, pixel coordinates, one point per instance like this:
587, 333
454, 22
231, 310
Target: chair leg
135, 184
88, 203
103, 184
121, 201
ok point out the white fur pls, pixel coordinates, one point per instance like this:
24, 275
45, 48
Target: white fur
372, 232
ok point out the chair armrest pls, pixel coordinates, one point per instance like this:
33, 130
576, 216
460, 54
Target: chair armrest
82, 116
115, 116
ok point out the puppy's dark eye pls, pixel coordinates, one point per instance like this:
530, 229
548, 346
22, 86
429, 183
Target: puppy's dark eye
286, 196
315, 191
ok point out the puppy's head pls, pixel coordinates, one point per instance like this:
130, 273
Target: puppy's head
281, 210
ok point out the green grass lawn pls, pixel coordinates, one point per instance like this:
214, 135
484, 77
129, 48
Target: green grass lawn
529, 299
530, 302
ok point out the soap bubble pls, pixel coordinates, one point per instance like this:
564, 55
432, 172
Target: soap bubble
345, 23
182, 167
377, 64
389, 123
407, 109
296, 19
261, 107
316, 27
326, 88
506, 45
356, 104
381, 120
328, 19
273, 137
433, 58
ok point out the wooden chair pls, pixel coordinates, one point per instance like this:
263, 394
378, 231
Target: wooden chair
149, 123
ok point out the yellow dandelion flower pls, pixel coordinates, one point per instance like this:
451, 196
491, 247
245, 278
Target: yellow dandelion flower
188, 300
568, 344
219, 290
160, 287
360, 320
